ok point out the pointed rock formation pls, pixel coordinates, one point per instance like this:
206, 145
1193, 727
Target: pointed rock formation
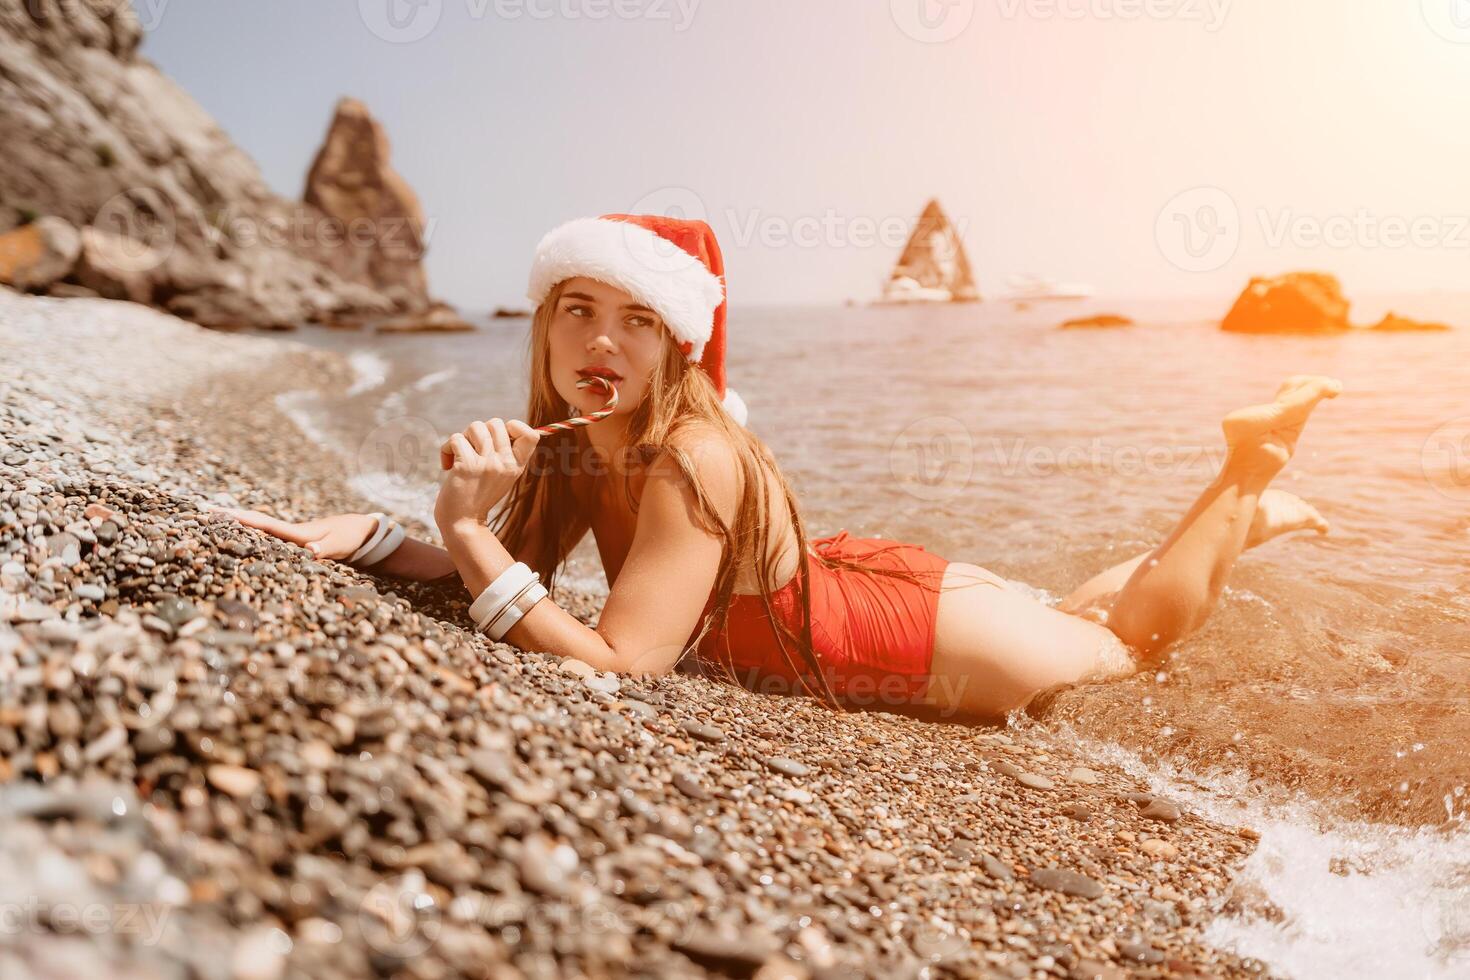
352, 182
933, 266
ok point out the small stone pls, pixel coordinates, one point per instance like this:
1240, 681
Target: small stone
638, 709
1077, 811
1035, 781
876, 860
175, 611
1139, 952
1158, 848
605, 683
236, 615
705, 733
106, 745
996, 868
788, 767
1067, 882
60, 632
1083, 776
260, 954
690, 786
237, 781
738, 954
1162, 810
577, 668
90, 592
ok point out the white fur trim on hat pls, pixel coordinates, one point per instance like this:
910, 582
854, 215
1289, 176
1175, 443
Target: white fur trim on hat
735, 405
674, 284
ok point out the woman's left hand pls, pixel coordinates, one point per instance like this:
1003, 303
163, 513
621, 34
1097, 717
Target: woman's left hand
484, 462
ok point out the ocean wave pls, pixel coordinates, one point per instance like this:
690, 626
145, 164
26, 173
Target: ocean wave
1354, 898
369, 371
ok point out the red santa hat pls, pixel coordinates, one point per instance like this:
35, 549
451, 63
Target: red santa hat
672, 265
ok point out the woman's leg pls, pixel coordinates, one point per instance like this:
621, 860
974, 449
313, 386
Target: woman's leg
996, 648
1175, 588
1277, 513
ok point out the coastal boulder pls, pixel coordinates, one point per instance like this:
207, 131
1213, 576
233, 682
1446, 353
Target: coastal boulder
1394, 323
1299, 302
439, 318
36, 255
115, 267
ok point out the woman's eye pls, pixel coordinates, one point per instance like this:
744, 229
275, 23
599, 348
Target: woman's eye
575, 307
641, 321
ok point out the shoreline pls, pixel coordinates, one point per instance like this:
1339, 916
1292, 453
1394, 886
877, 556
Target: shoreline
324, 773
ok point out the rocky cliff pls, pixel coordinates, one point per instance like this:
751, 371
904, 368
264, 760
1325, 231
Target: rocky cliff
170, 211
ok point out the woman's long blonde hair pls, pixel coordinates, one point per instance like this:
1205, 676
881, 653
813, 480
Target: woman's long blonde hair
679, 396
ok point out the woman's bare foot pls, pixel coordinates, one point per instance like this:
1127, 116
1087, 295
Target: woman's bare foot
1279, 512
1263, 437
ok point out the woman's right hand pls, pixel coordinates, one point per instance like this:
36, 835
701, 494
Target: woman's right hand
336, 536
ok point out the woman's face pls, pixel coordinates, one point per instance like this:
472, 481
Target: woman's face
598, 325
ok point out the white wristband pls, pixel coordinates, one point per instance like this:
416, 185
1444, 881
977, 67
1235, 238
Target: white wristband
499, 593
379, 531
386, 547
512, 614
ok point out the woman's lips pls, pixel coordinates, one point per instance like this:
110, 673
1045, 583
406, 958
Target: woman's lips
599, 373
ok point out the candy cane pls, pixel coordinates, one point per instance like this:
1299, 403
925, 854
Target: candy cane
446, 453
602, 413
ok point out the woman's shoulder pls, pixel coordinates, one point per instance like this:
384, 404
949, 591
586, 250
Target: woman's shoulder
711, 456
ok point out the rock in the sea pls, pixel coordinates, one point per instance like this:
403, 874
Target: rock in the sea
438, 318
38, 254
1102, 320
351, 181
1298, 302
1394, 323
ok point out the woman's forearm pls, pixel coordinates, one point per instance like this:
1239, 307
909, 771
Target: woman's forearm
416, 560
481, 558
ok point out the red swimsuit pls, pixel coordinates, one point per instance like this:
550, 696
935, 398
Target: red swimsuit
873, 634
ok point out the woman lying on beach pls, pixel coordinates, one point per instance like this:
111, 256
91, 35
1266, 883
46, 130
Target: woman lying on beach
699, 533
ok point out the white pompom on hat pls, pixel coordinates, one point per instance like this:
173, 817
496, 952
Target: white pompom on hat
673, 265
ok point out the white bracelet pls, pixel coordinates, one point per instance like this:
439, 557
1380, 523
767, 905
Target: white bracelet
499, 593
379, 531
386, 547
512, 614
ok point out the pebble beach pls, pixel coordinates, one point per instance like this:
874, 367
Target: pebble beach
221, 758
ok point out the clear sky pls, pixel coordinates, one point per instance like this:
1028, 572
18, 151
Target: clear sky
1148, 147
